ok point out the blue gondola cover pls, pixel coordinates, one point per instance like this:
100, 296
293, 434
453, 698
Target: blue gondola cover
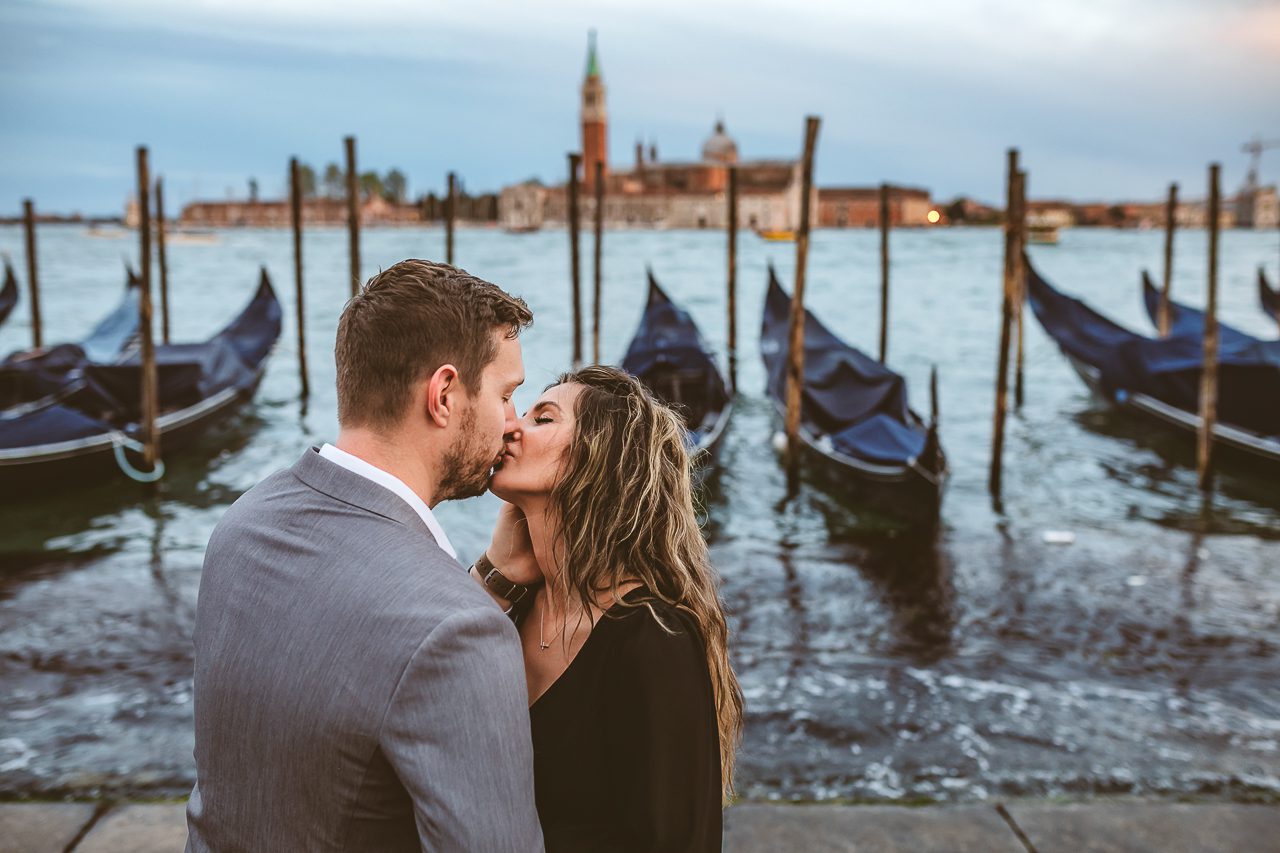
854, 400
1165, 369
668, 339
1185, 321
187, 373
47, 425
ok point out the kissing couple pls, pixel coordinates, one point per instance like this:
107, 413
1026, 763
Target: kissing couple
358, 689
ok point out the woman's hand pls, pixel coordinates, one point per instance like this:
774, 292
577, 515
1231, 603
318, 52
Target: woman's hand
511, 549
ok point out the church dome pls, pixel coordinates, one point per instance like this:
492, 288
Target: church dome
720, 147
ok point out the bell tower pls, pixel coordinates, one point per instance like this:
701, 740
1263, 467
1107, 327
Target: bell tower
595, 120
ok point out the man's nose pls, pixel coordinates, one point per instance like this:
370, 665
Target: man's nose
511, 429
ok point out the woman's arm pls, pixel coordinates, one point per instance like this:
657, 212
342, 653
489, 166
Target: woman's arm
510, 555
664, 748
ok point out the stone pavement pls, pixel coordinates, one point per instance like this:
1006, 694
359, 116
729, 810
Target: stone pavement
1098, 826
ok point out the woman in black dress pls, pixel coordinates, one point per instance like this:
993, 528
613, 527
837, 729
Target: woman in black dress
635, 710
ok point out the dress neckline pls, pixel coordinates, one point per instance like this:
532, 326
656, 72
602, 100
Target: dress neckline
582, 651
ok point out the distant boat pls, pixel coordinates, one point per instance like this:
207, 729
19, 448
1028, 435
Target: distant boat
668, 354
111, 233
8, 293
776, 235
68, 442
1269, 298
855, 423
1159, 378
191, 237
1185, 320
1042, 234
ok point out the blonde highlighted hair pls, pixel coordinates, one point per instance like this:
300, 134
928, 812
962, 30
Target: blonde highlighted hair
641, 525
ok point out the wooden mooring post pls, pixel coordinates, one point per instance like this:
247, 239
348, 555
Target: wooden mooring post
450, 214
295, 210
1019, 285
599, 244
575, 271
33, 272
884, 272
795, 337
733, 279
150, 391
163, 262
1209, 368
994, 476
1170, 223
353, 213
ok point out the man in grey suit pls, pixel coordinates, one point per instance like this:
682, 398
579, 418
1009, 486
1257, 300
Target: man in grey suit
355, 689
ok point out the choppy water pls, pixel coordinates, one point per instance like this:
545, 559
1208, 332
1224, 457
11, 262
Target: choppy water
1144, 657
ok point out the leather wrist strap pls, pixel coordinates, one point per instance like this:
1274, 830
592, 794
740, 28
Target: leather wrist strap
498, 582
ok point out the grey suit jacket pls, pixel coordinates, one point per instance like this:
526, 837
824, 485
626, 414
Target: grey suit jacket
354, 688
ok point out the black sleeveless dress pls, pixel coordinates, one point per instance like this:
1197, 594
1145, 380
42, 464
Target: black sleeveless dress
625, 742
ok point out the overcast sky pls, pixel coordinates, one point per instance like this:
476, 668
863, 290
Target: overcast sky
1105, 98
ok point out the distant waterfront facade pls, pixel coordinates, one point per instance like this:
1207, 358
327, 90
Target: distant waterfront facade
654, 193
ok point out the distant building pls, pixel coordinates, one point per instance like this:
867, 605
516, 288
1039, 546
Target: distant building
688, 194
595, 120
1258, 207
859, 207
374, 210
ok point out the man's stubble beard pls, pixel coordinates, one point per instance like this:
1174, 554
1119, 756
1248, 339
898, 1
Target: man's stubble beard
468, 465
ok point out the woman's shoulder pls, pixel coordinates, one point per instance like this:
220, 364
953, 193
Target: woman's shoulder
646, 627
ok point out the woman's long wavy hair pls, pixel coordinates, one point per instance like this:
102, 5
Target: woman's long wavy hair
624, 502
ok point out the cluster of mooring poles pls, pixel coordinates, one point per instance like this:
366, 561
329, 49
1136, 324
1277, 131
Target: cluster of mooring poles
1013, 300
1013, 290
795, 364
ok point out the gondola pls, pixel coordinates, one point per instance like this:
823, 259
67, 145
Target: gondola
667, 353
858, 431
1185, 320
27, 376
94, 433
1160, 378
8, 293
1268, 298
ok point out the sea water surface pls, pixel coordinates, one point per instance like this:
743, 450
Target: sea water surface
877, 663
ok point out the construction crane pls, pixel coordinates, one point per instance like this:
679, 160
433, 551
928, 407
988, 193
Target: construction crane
1255, 148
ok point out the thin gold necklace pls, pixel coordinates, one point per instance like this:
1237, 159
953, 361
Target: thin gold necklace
543, 645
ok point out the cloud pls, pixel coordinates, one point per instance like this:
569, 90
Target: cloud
1106, 99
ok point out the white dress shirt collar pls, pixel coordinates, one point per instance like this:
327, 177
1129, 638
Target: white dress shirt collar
395, 485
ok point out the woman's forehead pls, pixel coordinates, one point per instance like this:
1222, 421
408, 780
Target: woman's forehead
562, 395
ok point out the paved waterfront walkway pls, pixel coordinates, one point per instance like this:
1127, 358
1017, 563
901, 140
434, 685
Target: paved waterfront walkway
1101, 825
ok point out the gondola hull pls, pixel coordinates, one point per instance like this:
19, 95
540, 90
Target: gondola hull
1159, 379
1243, 446
899, 468
53, 467
667, 353
68, 441
907, 494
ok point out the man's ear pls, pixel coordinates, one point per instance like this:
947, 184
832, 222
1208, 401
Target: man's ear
443, 395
